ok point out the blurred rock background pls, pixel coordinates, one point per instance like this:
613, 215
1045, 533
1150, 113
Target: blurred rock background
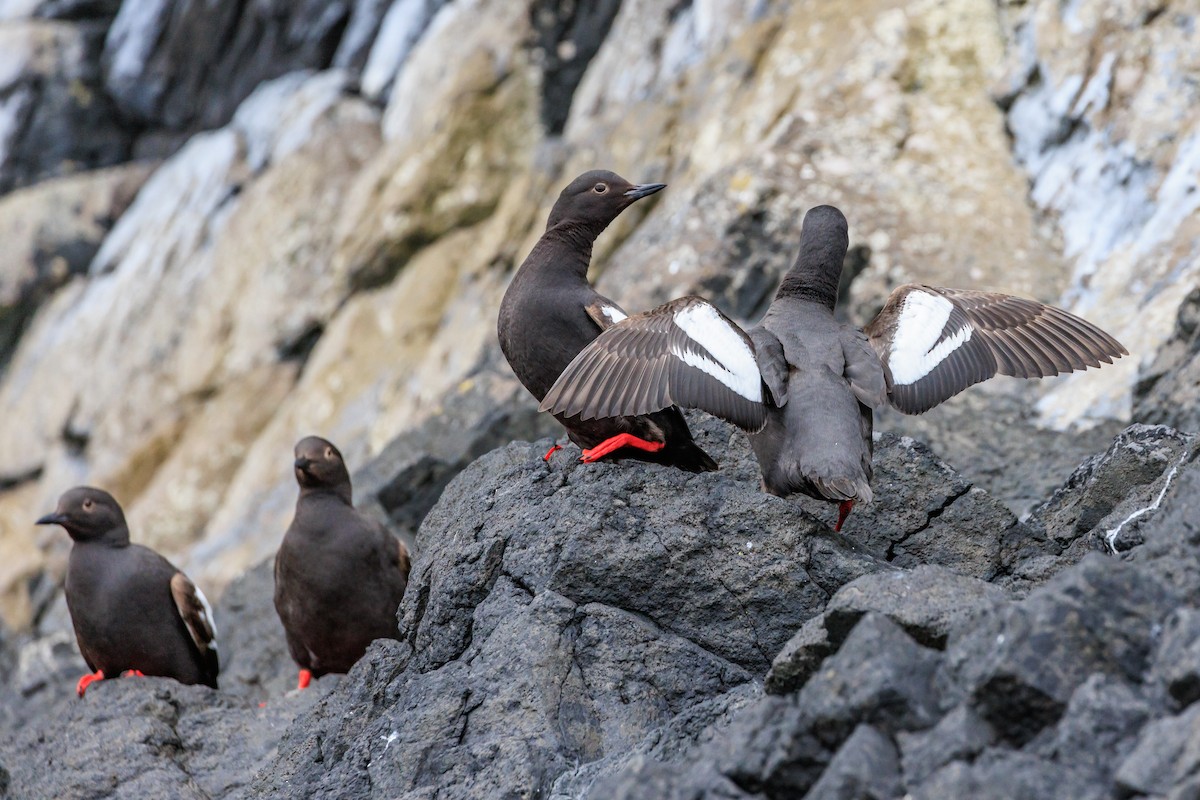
227, 224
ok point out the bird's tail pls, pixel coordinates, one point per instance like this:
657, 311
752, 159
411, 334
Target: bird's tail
687, 455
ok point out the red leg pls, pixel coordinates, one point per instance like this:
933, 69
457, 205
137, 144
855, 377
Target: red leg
305, 679
616, 443
133, 673
88, 680
844, 509
551, 452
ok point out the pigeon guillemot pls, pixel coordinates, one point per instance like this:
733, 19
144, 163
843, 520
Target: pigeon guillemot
339, 576
805, 385
550, 313
133, 612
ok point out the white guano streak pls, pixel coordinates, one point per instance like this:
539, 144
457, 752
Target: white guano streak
1110, 535
922, 319
735, 366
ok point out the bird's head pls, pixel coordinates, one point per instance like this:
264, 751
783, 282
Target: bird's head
319, 465
89, 514
595, 198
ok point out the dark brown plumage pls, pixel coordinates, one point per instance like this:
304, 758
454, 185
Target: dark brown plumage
802, 383
339, 576
131, 609
550, 313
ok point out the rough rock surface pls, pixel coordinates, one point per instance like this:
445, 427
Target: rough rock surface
343, 238
1169, 385
55, 117
605, 630
327, 258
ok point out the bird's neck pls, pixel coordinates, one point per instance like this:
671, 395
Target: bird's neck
342, 493
566, 248
814, 277
114, 537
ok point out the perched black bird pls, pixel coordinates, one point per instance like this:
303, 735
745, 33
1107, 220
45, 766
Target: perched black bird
339, 576
550, 312
805, 384
132, 611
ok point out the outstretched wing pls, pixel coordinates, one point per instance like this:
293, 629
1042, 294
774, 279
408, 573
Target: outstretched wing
685, 353
197, 615
935, 342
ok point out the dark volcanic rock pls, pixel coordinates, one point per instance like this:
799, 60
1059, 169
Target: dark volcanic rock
865, 768
928, 602
148, 737
681, 739
991, 436
1005, 775
1171, 534
600, 631
1100, 725
800, 657
1166, 758
1167, 391
1177, 660
781, 746
1020, 664
939, 519
960, 735
1100, 503
186, 65
560, 613
880, 675
255, 662
403, 482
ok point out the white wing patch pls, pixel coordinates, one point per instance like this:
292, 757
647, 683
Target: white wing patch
735, 366
918, 328
208, 617
615, 315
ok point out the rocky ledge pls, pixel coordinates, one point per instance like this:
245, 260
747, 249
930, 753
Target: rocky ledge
627, 631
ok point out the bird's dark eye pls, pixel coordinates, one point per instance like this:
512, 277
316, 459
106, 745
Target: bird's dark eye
328, 453
600, 188
87, 505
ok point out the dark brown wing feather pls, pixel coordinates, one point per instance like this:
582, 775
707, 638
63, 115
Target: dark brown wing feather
197, 616
641, 365
935, 342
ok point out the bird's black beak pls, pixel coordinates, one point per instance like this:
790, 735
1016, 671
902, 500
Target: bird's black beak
52, 519
303, 464
644, 190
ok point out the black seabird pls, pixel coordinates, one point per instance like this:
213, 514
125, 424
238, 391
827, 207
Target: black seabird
339, 576
805, 385
133, 612
550, 313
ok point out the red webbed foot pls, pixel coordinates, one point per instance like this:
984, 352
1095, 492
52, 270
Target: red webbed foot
304, 680
844, 509
616, 443
133, 673
551, 452
88, 680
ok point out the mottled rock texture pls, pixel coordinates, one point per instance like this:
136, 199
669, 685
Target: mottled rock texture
607, 630
327, 255
232, 223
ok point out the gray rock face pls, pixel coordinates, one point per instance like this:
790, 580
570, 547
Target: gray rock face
601, 631
574, 610
153, 737
1020, 664
55, 116
1167, 391
187, 65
